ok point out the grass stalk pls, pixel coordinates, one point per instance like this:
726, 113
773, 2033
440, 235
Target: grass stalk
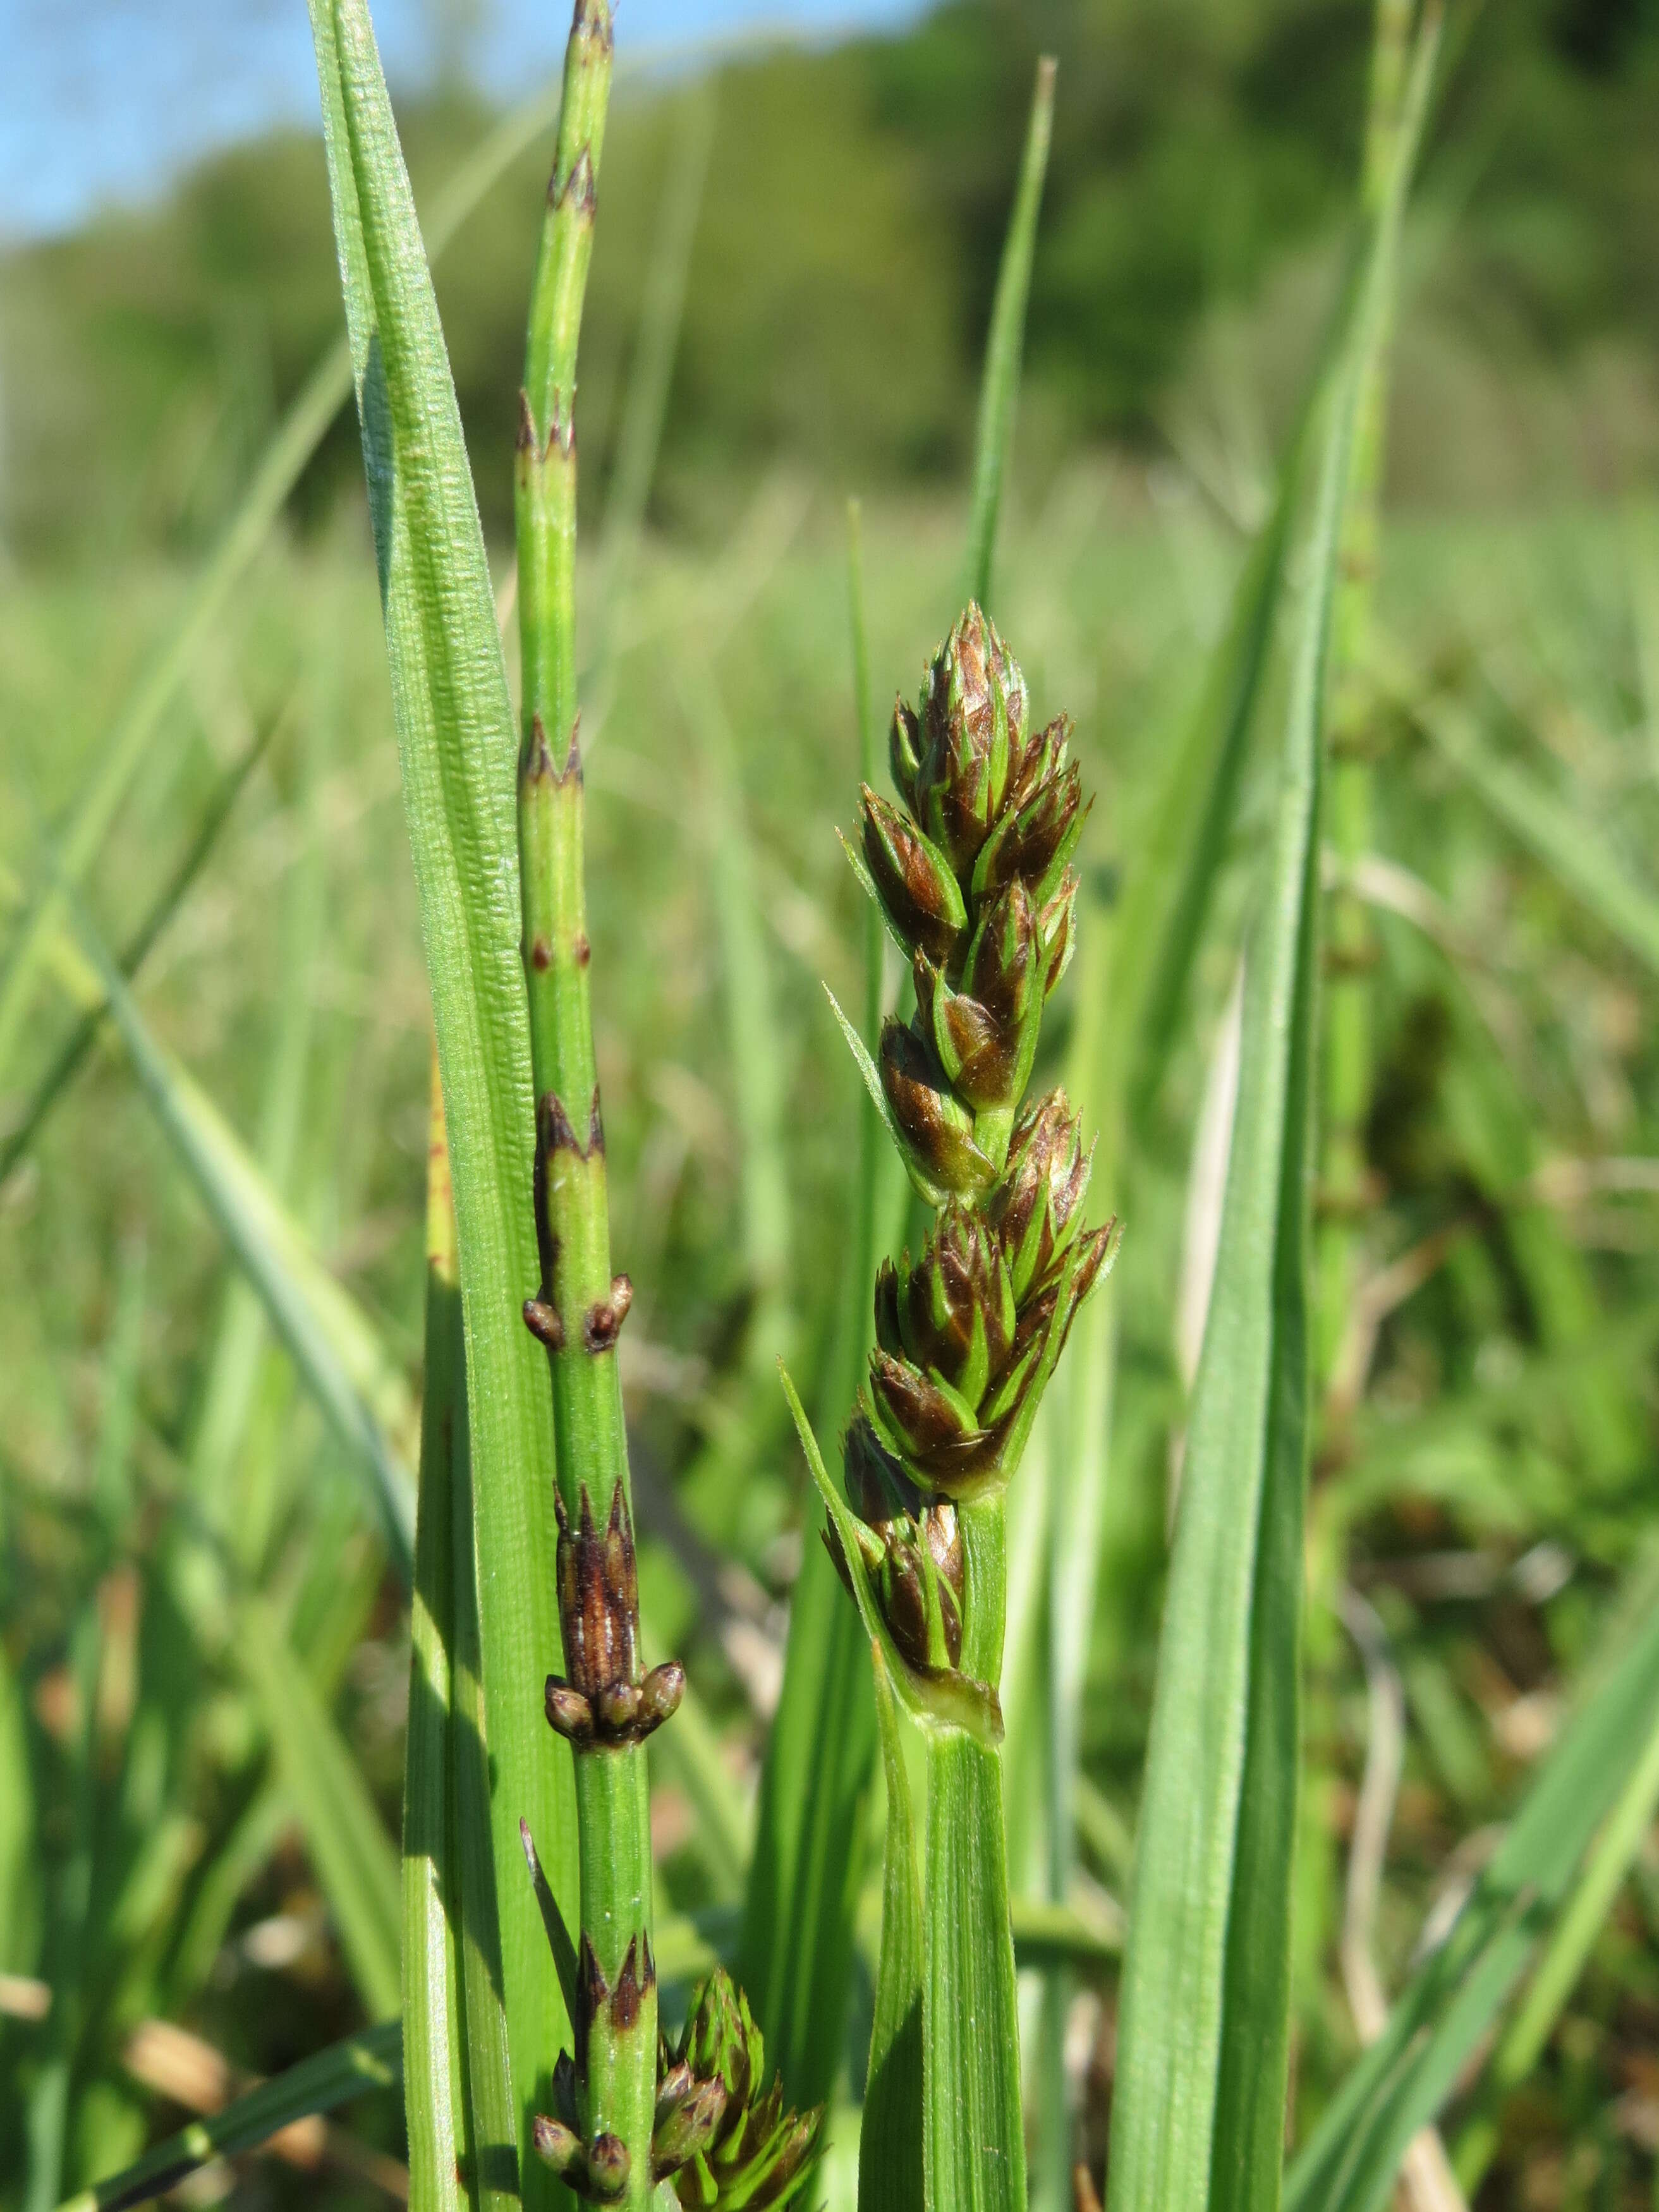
580, 1306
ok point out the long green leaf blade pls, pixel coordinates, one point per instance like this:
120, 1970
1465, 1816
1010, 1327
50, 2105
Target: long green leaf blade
1199, 2114
458, 748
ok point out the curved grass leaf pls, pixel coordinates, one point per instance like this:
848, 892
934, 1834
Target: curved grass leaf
1005, 343
458, 748
1198, 2117
370, 2060
166, 903
320, 1323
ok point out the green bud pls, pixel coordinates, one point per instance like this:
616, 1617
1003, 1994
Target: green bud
727, 2146
972, 733
935, 1129
1037, 1207
1039, 830
919, 894
951, 1314
912, 1555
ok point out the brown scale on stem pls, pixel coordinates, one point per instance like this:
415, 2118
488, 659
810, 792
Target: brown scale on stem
605, 1701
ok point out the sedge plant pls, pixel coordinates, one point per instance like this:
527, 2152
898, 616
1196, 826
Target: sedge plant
533, 2058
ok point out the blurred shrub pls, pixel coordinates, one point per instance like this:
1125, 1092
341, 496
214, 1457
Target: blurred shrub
858, 194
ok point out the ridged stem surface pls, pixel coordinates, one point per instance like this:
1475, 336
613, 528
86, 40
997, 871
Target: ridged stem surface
580, 1305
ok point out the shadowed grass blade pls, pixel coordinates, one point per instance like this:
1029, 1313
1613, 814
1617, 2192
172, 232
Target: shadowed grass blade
435, 2095
354, 1857
1198, 2118
458, 751
133, 954
889, 2143
317, 1321
1553, 830
371, 2060
1005, 343
1565, 1955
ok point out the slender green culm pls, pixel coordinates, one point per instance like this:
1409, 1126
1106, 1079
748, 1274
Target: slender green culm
599, 2139
973, 876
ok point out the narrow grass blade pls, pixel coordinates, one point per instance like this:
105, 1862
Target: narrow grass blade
134, 951
353, 1854
435, 2095
1551, 828
370, 2060
1349, 2162
457, 749
1006, 343
1199, 2114
315, 1319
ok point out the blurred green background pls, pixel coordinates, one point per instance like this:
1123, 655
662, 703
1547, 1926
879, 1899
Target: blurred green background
790, 289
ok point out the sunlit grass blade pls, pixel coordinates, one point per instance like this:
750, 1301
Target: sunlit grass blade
458, 748
315, 1319
353, 1855
434, 2092
132, 955
370, 2060
1349, 2162
891, 2140
1005, 343
1551, 828
1198, 2117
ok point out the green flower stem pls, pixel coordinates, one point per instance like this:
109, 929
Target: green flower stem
976, 2144
580, 1306
546, 474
